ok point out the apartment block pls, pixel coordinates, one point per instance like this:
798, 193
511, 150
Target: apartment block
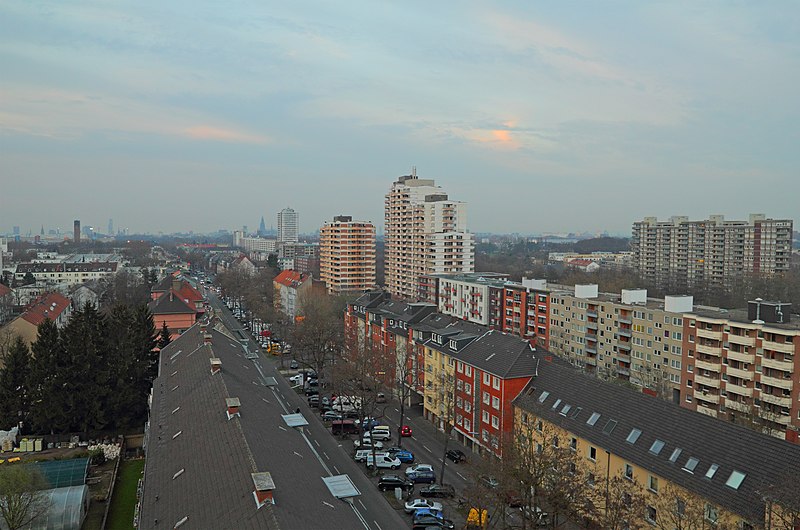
347, 255
744, 366
628, 336
713, 252
426, 233
288, 226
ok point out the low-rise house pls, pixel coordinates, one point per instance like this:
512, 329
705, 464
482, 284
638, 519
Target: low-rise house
53, 306
289, 287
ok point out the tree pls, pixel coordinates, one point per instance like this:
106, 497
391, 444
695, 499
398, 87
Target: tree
619, 504
164, 337
22, 500
14, 381
318, 336
28, 279
405, 377
783, 504
677, 509
48, 411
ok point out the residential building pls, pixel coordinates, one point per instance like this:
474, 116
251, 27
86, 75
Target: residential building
347, 255
53, 306
744, 366
174, 311
67, 273
679, 253
726, 475
6, 303
289, 288
288, 226
426, 233
254, 244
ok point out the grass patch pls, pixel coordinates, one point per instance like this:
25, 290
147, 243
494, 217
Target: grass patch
123, 501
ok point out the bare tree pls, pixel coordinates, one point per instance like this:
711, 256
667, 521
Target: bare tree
403, 380
783, 504
677, 509
21, 498
619, 505
318, 335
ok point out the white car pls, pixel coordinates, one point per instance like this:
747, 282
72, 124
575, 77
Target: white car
367, 444
378, 433
296, 379
383, 460
416, 504
419, 467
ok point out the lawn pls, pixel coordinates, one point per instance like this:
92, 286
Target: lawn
123, 502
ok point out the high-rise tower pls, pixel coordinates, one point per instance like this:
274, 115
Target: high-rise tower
426, 233
347, 255
76, 231
288, 225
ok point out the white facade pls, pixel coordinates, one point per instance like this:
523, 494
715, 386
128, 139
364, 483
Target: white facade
288, 226
465, 299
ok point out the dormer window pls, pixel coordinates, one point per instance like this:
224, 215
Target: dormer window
453, 345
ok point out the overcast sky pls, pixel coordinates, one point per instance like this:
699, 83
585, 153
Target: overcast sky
543, 116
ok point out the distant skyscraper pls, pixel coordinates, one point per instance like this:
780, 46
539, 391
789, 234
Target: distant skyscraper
16, 230
426, 233
262, 228
111, 227
76, 231
288, 226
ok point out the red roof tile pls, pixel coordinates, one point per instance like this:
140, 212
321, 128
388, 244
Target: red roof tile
46, 306
288, 277
4, 290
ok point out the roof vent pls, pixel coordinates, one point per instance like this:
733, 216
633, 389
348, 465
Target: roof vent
233, 405
216, 365
206, 338
264, 486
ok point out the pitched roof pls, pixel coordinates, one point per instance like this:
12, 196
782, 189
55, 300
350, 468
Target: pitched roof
291, 278
4, 290
49, 305
764, 460
187, 292
89, 266
501, 354
170, 303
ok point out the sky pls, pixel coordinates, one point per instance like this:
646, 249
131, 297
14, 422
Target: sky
545, 117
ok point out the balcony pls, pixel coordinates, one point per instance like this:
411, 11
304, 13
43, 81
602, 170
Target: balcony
591, 325
782, 419
623, 371
624, 320
590, 349
706, 381
624, 346
777, 400
590, 313
784, 366
785, 347
707, 397
742, 340
735, 405
747, 375
741, 357
623, 357
624, 332
591, 361
778, 383
712, 367
707, 411
708, 334
716, 351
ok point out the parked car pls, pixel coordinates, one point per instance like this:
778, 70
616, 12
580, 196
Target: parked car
419, 467
456, 455
312, 391
325, 401
369, 423
331, 416
421, 477
390, 482
489, 481
342, 427
296, 379
535, 515
294, 365
405, 431
382, 460
415, 504
406, 457
380, 398
381, 432
428, 522
440, 491
366, 443
362, 454
313, 401
427, 512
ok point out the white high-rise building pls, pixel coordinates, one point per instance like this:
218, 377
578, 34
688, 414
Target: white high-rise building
426, 233
288, 224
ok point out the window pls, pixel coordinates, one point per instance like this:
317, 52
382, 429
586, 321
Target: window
467, 389
590, 479
691, 464
556, 404
495, 402
593, 453
711, 471
593, 418
650, 514
468, 370
539, 426
712, 515
495, 422
467, 425
543, 396
652, 484
496, 383
486, 378
675, 454
486, 398
555, 442
573, 444
628, 471
657, 446
633, 436
735, 480
565, 410
459, 384
485, 417
609, 428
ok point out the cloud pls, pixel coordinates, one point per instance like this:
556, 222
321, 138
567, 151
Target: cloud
209, 132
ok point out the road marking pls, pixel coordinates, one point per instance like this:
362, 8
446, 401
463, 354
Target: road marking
397, 410
326, 455
316, 442
255, 383
281, 428
362, 504
426, 448
336, 469
298, 454
460, 475
329, 505
376, 524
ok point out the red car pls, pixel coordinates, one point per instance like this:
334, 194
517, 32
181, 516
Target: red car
405, 431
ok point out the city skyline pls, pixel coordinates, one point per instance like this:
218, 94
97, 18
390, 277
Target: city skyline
572, 119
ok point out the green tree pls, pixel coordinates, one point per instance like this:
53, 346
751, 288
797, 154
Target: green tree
29, 279
48, 366
21, 498
164, 338
14, 381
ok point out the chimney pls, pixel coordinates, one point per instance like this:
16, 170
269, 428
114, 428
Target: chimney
177, 284
206, 338
233, 405
203, 328
264, 486
216, 365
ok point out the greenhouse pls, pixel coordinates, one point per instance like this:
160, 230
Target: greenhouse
68, 507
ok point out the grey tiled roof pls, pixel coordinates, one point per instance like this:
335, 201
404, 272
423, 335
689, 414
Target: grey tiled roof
170, 303
765, 460
506, 356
